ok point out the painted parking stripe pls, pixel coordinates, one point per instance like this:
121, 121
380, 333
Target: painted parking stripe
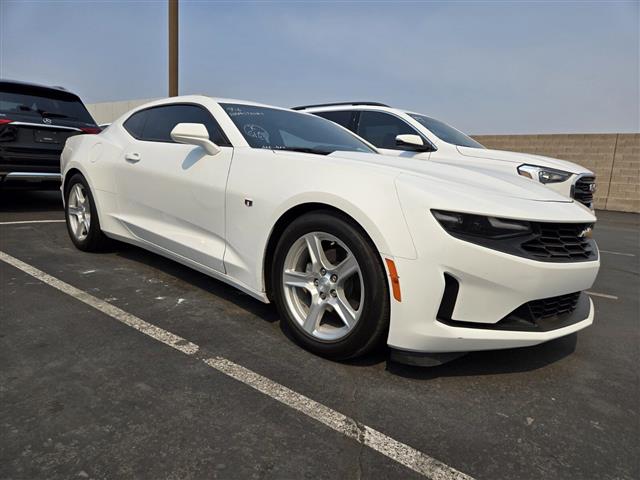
404, 454
21, 222
617, 253
105, 307
602, 295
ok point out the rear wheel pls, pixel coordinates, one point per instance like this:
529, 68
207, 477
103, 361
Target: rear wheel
330, 286
82, 217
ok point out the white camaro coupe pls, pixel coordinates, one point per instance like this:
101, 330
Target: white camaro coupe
354, 248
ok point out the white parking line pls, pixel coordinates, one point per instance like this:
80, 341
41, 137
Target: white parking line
31, 221
404, 454
603, 295
617, 253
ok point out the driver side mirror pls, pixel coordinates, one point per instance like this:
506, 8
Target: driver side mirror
194, 134
413, 142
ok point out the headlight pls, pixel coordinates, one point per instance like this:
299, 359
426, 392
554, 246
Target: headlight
463, 224
543, 174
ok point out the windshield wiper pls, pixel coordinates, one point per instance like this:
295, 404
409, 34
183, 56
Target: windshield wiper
306, 150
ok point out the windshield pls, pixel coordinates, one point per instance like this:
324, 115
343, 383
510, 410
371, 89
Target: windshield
445, 132
274, 129
39, 102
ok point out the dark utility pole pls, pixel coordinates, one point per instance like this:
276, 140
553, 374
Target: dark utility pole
173, 48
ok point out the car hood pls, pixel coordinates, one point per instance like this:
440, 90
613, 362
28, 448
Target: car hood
520, 158
484, 181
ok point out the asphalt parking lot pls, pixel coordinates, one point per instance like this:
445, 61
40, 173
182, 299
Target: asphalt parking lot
84, 395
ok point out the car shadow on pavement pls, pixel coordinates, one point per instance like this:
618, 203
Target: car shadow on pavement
15, 200
266, 312
196, 279
493, 362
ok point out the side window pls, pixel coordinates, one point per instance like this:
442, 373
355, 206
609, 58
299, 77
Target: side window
161, 120
135, 123
342, 117
381, 129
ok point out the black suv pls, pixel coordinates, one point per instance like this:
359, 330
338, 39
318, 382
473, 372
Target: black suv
35, 121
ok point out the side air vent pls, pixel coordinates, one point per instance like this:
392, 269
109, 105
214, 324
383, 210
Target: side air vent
449, 297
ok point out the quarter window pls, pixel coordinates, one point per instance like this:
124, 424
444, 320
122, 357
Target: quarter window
135, 123
381, 129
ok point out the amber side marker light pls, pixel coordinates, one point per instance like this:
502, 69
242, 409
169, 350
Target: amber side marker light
395, 279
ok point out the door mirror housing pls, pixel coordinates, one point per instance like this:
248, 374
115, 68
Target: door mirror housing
194, 134
413, 142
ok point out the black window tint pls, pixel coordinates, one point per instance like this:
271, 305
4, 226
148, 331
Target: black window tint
19, 100
161, 120
381, 129
135, 123
341, 118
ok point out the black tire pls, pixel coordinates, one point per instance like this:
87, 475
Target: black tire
95, 240
373, 324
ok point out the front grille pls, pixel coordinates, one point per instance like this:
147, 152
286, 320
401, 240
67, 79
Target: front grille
583, 190
560, 242
553, 306
542, 315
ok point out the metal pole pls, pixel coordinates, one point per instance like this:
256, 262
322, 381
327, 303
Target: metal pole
173, 48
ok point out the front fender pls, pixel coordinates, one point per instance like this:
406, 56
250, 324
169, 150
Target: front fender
395, 241
368, 195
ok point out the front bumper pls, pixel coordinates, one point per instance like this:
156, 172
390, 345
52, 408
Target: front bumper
492, 285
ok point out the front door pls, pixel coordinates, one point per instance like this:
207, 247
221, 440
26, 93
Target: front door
173, 195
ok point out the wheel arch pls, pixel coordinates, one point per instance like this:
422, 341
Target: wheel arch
67, 176
297, 211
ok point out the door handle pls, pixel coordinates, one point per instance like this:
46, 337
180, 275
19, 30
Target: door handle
132, 157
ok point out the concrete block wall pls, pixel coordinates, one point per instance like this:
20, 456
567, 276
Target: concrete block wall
614, 157
624, 187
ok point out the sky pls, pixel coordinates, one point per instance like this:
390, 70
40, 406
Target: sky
485, 67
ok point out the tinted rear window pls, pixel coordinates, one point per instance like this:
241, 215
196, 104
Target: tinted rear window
25, 100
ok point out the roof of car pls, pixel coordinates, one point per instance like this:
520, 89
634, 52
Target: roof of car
201, 98
30, 84
337, 104
336, 107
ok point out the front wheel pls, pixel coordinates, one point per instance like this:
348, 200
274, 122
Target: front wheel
330, 286
82, 217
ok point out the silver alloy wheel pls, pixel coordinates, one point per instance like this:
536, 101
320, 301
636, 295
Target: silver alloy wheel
79, 211
323, 286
